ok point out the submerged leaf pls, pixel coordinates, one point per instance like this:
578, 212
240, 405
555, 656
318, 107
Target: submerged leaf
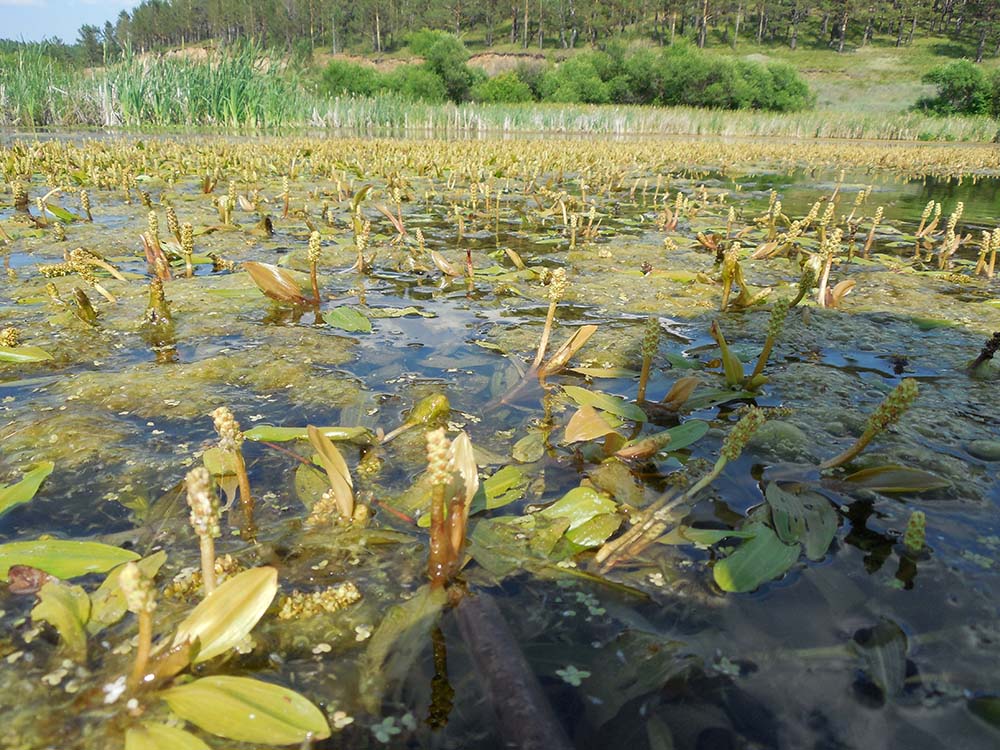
883, 648
63, 558
149, 736
248, 710
530, 448
23, 354
226, 616
107, 604
347, 319
579, 505
756, 561
16, 494
595, 531
893, 478
801, 515
67, 609
504, 487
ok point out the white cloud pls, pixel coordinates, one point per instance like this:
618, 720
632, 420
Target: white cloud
23, 3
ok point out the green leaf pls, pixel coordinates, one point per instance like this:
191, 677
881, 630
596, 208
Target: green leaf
588, 423
708, 537
248, 710
63, 558
66, 217
986, 708
883, 649
706, 399
530, 448
611, 404
219, 463
595, 531
67, 609
107, 604
397, 643
579, 505
604, 372
756, 561
892, 478
686, 434
801, 515
270, 434
504, 487
16, 494
226, 616
397, 312
149, 736
347, 319
23, 354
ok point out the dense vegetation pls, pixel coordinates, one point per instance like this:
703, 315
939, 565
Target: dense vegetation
382, 25
963, 89
676, 75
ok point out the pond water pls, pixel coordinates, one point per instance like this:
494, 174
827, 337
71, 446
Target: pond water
791, 602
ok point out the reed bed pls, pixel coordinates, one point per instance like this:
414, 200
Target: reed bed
244, 89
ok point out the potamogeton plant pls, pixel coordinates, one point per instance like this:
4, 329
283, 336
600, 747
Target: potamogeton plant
454, 479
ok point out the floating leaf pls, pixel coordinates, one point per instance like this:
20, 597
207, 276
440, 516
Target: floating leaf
530, 448
579, 505
756, 561
248, 710
16, 494
149, 736
883, 648
611, 404
336, 471
673, 439
504, 487
66, 217
595, 531
107, 604
680, 392
23, 354
276, 283
801, 515
226, 616
443, 265
271, 434
347, 319
63, 558
587, 424
716, 397
703, 538
605, 372
892, 478
67, 609
398, 312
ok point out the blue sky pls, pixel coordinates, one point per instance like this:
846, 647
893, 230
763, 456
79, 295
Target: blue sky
34, 20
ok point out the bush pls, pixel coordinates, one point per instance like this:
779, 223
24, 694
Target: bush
342, 77
995, 95
505, 88
416, 82
962, 89
574, 81
445, 56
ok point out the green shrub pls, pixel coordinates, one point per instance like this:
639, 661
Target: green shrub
962, 89
342, 77
416, 82
995, 94
575, 81
505, 88
445, 56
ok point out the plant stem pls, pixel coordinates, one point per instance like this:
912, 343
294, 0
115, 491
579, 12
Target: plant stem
439, 554
851, 453
647, 363
143, 649
207, 545
546, 331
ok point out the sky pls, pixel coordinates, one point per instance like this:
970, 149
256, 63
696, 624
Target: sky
34, 20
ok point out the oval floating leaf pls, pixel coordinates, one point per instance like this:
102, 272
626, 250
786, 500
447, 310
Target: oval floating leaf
756, 561
504, 487
892, 478
579, 505
63, 558
67, 609
530, 448
227, 615
611, 404
595, 531
161, 737
271, 434
25, 490
247, 710
801, 515
23, 354
347, 319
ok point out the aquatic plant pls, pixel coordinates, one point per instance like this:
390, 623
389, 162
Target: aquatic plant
230, 442
204, 505
892, 408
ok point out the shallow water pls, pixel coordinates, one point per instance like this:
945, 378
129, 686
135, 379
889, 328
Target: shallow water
653, 653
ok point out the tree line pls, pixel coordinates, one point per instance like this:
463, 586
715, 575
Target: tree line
376, 26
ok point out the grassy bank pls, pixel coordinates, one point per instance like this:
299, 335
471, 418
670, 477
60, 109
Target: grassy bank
243, 90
